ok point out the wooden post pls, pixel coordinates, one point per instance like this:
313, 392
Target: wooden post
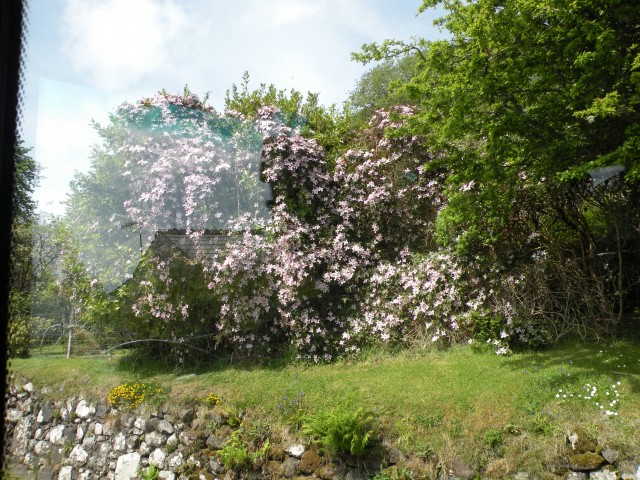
69, 345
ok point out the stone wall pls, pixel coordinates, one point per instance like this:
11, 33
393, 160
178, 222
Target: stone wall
80, 440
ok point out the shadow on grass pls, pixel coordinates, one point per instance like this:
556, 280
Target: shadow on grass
143, 364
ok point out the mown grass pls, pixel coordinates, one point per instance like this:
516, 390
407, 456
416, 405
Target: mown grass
456, 403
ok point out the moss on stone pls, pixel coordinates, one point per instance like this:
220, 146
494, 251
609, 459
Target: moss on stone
585, 462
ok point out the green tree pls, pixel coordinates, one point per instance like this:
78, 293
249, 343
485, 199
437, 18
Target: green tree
381, 86
26, 179
518, 106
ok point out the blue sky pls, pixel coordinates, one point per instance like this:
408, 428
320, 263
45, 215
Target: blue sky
85, 57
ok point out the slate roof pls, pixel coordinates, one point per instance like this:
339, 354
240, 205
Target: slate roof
207, 245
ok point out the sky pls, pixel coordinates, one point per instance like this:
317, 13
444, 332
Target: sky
83, 58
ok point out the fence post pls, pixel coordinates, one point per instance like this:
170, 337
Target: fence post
69, 344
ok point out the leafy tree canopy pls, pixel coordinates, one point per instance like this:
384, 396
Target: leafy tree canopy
527, 95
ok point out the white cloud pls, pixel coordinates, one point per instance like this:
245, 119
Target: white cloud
116, 42
279, 13
65, 136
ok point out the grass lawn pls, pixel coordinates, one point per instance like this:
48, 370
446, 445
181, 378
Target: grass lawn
457, 403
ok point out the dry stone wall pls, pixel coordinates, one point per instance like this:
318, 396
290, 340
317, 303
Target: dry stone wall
77, 439
81, 440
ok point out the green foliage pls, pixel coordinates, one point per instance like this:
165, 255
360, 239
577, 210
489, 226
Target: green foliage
493, 438
21, 262
541, 424
341, 429
430, 419
293, 408
19, 336
394, 473
380, 86
236, 454
151, 473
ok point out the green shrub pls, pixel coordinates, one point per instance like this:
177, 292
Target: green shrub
341, 430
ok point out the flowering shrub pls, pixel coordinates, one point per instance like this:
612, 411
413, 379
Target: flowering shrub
211, 400
421, 297
132, 395
343, 258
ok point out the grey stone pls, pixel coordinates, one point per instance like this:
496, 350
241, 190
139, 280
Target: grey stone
20, 471
627, 470
46, 413
355, 474
187, 415
42, 448
102, 410
21, 436
30, 460
56, 435
603, 475
145, 449
45, 473
127, 420
29, 388
215, 442
172, 441
155, 439
157, 458
84, 409
133, 442
175, 461
577, 476
120, 442
98, 429
166, 475
66, 473
610, 455
289, 467
71, 404
127, 466
13, 415
78, 456
165, 427
89, 441
141, 424
79, 433
64, 414
27, 405
215, 466
69, 434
